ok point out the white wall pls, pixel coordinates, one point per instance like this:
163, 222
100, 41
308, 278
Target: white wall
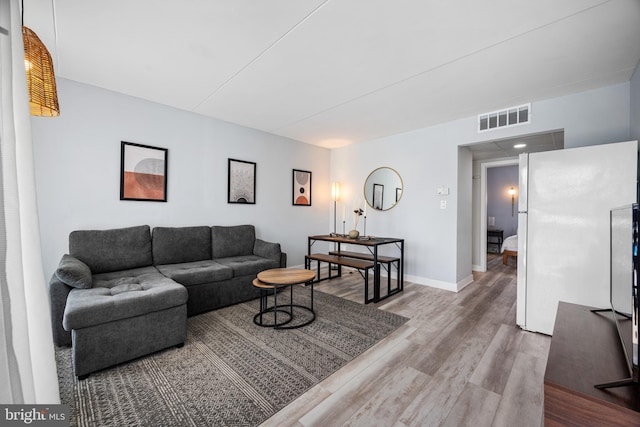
429, 232
465, 192
77, 163
634, 124
428, 158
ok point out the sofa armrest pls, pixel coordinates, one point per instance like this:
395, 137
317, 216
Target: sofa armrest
283, 260
58, 293
267, 250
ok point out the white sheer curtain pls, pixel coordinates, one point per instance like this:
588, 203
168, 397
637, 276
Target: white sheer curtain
27, 363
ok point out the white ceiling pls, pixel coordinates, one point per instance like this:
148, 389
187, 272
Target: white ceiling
335, 72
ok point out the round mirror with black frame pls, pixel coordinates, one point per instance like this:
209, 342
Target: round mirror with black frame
383, 188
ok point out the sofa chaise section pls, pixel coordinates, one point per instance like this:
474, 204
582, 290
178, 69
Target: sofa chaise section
112, 303
125, 315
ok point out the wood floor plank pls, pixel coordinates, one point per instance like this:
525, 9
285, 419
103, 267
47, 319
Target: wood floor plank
459, 329
388, 351
536, 345
493, 371
523, 396
344, 402
476, 407
400, 301
385, 407
431, 328
442, 392
290, 414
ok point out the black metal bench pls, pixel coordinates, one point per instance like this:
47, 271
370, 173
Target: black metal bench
386, 261
363, 267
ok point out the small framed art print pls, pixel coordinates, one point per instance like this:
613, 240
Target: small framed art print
241, 182
301, 195
143, 172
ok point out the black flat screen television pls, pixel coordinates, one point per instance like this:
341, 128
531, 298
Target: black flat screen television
624, 226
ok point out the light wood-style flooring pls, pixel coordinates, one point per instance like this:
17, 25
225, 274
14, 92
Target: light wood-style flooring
460, 360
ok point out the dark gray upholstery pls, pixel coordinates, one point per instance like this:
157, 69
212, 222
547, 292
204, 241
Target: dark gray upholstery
107, 344
267, 250
141, 289
137, 292
112, 250
174, 245
74, 272
220, 294
58, 293
232, 241
237, 258
196, 273
248, 265
125, 315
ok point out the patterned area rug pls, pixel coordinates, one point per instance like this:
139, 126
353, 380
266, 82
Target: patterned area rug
230, 371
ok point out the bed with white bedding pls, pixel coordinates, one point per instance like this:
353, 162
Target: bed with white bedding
509, 248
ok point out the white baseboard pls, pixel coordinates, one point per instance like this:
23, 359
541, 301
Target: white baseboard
478, 268
447, 286
465, 282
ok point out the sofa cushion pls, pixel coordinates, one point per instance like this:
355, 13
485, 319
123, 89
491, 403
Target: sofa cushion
174, 245
121, 295
267, 250
232, 241
126, 287
112, 250
73, 272
246, 265
196, 273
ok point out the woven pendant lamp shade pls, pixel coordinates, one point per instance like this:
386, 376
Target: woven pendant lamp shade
43, 96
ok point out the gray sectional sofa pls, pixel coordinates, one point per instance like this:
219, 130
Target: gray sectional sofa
123, 293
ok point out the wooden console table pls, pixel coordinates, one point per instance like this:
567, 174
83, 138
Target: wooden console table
585, 350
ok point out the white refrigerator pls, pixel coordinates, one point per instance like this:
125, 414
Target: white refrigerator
563, 227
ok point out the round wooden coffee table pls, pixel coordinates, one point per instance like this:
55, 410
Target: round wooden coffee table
274, 280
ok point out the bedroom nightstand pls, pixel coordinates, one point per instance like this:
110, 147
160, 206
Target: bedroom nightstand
498, 236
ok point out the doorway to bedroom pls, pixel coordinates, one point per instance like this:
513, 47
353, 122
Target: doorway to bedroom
495, 208
502, 213
498, 212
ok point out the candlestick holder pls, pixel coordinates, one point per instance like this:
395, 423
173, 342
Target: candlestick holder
343, 227
364, 231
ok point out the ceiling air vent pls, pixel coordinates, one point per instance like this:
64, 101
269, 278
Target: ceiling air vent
511, 116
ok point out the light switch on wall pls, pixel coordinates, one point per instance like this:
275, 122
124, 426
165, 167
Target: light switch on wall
443, 204
442, 191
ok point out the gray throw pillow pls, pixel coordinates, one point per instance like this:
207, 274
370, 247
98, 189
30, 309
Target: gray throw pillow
74, 272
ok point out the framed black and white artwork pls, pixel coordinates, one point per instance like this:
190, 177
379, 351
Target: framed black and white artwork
242, 182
